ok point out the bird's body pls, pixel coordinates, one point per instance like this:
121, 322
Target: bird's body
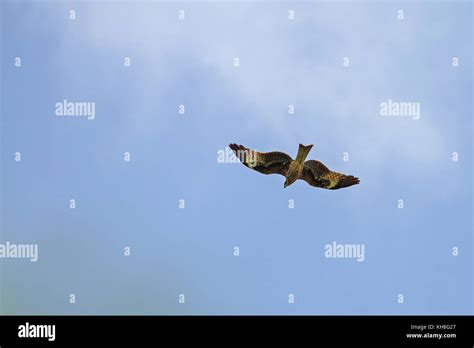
296, 167
313, 172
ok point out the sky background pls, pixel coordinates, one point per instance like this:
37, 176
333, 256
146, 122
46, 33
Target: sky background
190, 251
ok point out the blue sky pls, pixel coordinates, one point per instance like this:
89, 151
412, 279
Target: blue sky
190, 251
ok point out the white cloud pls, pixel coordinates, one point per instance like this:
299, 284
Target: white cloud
279, 65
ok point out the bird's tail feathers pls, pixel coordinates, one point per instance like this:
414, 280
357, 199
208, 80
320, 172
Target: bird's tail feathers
303, 152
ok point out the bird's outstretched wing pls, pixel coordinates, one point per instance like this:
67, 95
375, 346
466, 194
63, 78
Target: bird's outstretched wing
317, 174
264, 162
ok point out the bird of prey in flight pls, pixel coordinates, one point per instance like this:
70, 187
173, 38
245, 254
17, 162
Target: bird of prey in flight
313, 172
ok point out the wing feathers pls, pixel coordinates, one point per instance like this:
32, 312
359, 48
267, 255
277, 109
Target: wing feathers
317, 174
264, 162
346, 181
